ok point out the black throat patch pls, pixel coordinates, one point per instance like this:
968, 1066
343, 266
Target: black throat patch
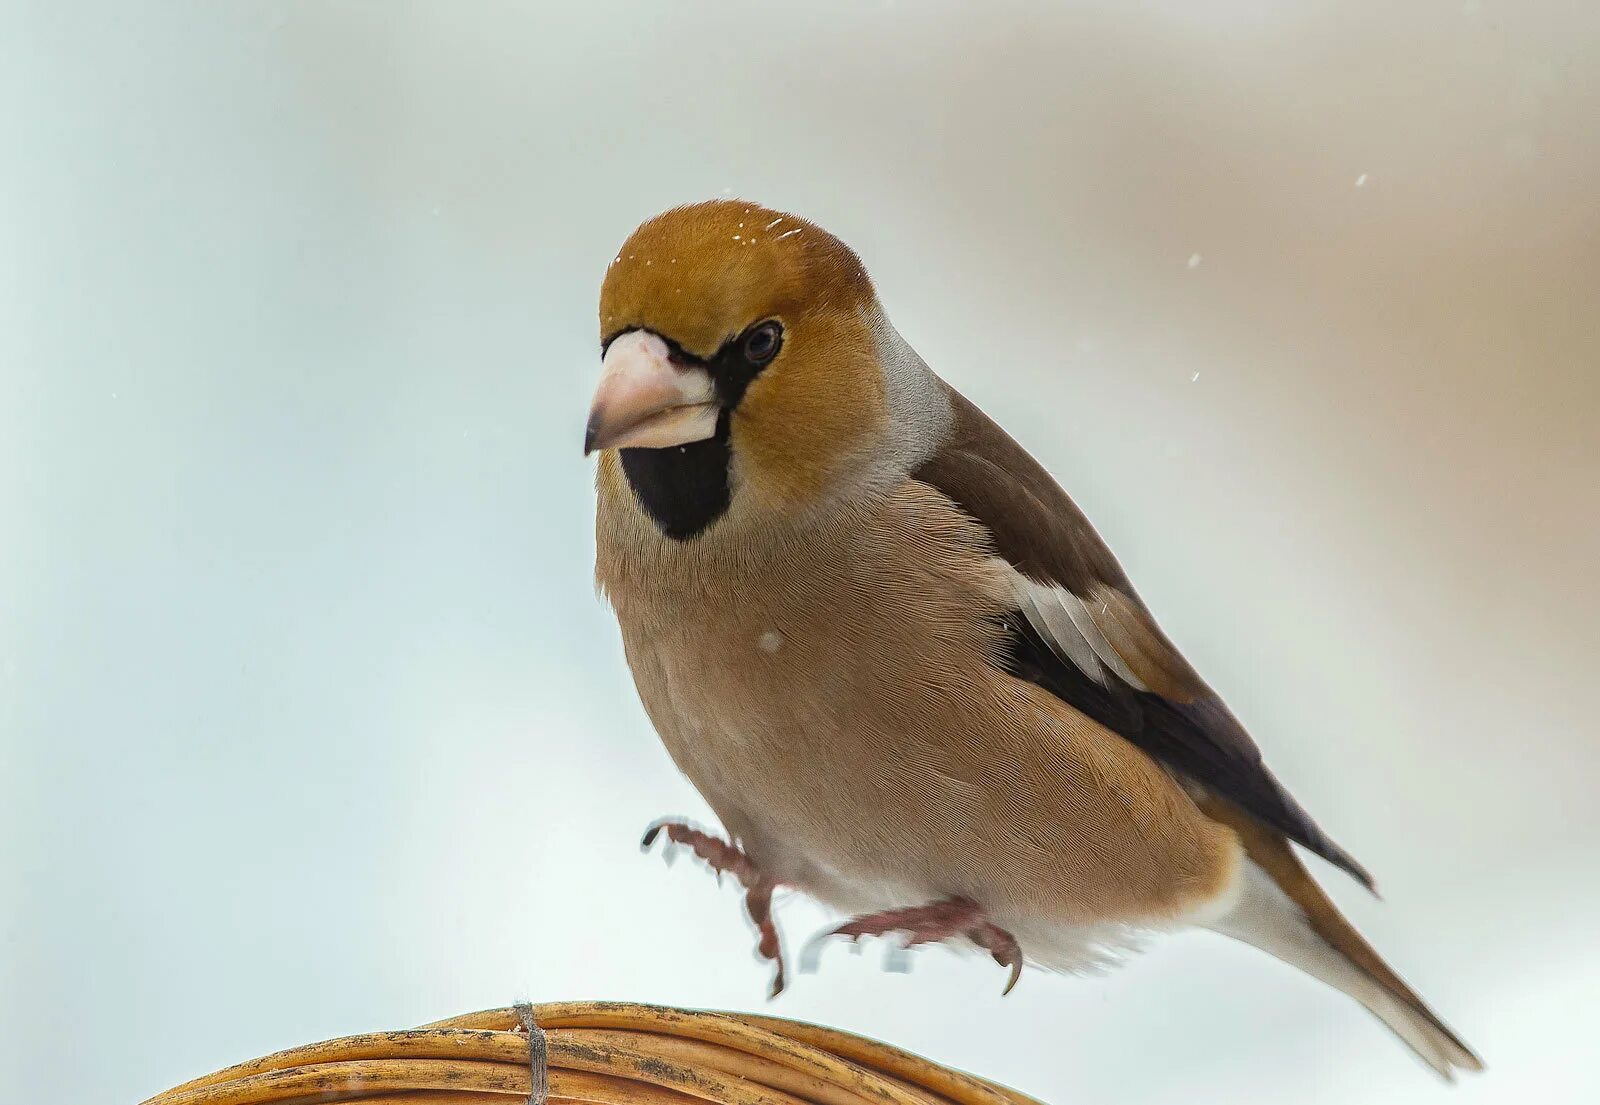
685, 488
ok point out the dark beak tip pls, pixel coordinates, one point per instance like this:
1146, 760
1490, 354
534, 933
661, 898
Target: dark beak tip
588, 439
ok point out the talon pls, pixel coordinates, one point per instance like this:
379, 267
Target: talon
1003, 947
778, 979
811, 953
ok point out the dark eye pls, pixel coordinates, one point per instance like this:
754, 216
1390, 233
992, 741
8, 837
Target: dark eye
761, 342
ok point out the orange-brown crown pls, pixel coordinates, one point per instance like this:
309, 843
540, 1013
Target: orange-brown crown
700, 275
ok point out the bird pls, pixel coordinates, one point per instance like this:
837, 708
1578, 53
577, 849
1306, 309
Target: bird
894, 657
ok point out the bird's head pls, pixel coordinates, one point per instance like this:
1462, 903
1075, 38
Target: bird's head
742, 363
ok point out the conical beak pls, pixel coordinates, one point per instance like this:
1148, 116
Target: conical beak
644, 401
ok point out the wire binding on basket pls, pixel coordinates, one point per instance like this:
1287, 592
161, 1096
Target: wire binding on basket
538, 1054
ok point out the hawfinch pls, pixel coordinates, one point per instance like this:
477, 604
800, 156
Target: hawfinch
897, 661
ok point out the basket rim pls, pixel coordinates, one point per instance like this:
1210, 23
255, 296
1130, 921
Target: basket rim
631, 1053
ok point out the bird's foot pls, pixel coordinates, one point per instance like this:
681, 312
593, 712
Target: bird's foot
722, 856
717, 854
935, 923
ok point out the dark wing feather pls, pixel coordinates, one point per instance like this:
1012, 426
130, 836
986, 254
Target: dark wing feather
1146, 692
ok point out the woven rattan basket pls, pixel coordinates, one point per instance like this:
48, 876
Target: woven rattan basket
606, 1053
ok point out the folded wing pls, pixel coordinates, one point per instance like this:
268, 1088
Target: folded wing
1080, 631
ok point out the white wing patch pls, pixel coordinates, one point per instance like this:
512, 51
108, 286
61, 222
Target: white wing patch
1067, 624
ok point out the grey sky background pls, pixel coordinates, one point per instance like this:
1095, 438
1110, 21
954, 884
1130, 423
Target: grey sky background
311, 721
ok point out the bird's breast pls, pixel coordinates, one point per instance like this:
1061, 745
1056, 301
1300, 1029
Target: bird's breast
799, 681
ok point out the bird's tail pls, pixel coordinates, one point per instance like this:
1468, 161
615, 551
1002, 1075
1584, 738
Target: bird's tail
1284, 912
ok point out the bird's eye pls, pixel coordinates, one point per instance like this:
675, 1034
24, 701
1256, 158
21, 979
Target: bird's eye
761, 342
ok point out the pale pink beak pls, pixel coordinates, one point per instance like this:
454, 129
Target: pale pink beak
644, 401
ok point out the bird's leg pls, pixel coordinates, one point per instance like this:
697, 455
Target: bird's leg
721, 856
937, 922
758, 903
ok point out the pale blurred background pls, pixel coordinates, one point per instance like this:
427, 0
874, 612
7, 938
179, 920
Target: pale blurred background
312, 723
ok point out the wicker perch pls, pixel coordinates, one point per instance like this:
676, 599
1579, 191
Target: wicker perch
604, 1053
